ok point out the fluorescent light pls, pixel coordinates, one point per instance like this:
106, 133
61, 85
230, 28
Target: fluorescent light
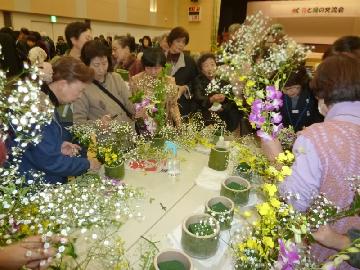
153, 6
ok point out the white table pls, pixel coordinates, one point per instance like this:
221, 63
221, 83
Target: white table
181, 197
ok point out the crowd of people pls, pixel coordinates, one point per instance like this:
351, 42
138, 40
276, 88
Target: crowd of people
84, 87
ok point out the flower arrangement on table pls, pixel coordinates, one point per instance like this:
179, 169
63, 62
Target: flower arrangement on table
257, 69
194, 132
90, 209
276, 239
150, 98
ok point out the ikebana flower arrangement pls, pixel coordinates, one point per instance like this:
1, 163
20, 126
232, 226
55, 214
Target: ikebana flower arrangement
65, 216
153, 103
189, 134
276, 239
257, 63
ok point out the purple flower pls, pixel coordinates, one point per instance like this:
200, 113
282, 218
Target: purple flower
154, 109
288, 255
138, 107
270, 92
257, 119
145, 102
256, 106
264, 135
276, 129
276, 118
277, 103
269, 107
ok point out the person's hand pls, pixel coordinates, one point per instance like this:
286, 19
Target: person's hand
95, 165
271, 148
181, 90
29, 252
326, 236
217, 98
105, 120
70, 149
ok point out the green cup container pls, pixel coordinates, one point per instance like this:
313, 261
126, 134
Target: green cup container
172, 255
117, 172
225, 218
219, 158
200, 247
239, 197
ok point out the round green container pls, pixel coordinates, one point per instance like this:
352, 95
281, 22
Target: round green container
239, 197
117, 172
225, 218
172, 255
218, 159
200, 247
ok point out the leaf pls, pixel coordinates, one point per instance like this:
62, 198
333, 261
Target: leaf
352, 250
70, 250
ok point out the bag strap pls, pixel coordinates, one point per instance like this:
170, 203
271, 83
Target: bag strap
107, 92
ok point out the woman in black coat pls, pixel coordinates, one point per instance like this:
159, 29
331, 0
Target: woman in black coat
300, 107
227, 109
183, 69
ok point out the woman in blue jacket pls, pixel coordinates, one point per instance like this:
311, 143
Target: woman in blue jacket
54, 156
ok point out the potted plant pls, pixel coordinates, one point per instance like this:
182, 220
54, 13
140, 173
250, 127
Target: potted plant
222, 209
236, 188
172, 259
114, 146
200, 236
113, 163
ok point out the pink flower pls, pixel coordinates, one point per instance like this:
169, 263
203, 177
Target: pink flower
264, 135
288, 255
276, 118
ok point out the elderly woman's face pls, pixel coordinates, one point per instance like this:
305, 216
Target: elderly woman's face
178, 45
100, 66
208, 68
120, 53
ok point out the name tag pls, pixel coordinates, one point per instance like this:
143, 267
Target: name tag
295, 111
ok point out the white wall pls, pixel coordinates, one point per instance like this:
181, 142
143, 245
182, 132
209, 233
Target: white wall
41, 23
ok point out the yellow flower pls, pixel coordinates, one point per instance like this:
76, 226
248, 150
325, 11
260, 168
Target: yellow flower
281, 157
238, 101
270, 189
264, 209
268, 242
286, 170
290, 155
275, 202
251, 243
250, 100
250, 83
242, 78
